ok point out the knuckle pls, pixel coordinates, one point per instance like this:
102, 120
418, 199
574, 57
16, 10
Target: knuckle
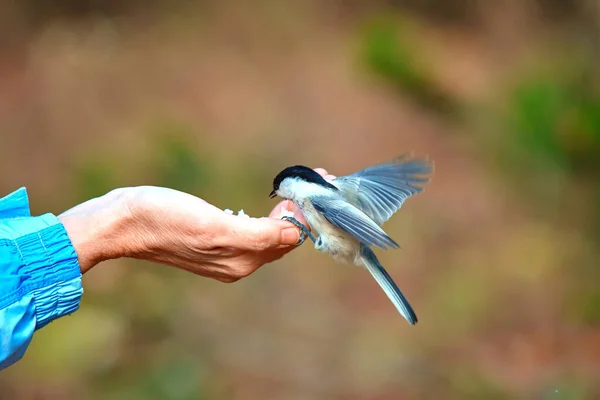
243, 270
228, 279
262, 245
261, 241
248, 269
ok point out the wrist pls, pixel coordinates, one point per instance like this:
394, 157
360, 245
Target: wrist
97, 228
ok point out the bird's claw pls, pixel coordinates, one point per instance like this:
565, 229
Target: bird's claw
302, 238
304, 232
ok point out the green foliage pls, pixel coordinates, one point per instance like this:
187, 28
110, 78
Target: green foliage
94, 178
557, 120
172, 160
588, 306
583, 295
176, 378
175, 160
469, 383
552, 142
534, 108
391, 53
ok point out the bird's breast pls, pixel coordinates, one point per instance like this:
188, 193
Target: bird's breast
342, 246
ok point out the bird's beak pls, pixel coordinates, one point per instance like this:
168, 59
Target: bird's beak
272, 194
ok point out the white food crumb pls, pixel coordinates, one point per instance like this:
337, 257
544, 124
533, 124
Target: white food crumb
228, 211
286, 213
241, 213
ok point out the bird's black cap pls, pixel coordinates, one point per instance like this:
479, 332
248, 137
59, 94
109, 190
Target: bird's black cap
301, 172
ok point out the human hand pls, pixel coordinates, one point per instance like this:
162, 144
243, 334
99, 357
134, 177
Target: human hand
177, 229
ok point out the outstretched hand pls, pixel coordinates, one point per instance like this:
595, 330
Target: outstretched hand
177, 229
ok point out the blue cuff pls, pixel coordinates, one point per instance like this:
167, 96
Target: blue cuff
15, 204
50, 260
49, 269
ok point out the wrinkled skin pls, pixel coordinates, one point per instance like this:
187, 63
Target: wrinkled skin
177, 229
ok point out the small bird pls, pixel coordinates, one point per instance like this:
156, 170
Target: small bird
347, 213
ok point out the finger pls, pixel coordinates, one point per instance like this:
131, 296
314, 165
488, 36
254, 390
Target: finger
299, 216
258, 234
288, 206
290, 237
321, 171
284, 205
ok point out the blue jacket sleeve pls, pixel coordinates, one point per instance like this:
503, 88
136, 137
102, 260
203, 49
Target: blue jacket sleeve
40, 278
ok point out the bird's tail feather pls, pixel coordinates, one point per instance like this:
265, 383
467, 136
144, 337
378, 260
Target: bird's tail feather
386, 282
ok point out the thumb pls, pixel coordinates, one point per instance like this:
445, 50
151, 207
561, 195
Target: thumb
284, 233
259, 234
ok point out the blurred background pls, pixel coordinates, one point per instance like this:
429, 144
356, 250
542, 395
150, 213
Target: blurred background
499, 255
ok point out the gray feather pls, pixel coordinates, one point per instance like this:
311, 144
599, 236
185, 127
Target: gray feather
352, 220
379, 191
386, 282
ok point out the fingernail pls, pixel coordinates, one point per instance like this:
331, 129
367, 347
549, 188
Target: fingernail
290, 235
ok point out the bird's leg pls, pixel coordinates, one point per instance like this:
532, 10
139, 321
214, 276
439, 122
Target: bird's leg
304, 232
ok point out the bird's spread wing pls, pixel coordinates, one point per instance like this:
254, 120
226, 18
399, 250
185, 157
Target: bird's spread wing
380, 191
352, 220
